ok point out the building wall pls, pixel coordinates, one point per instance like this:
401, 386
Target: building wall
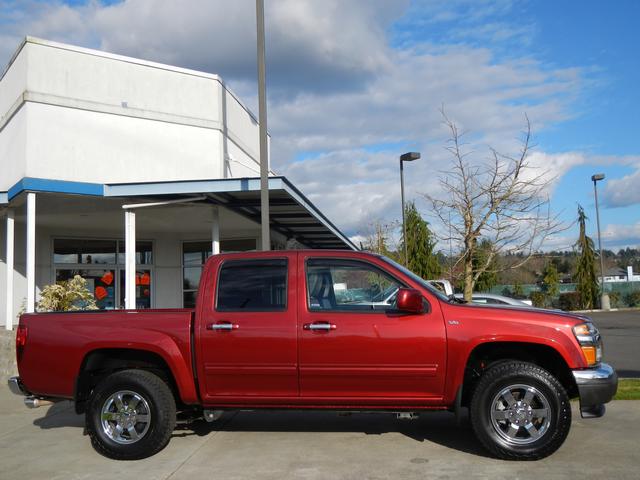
13, 143
103, 148
82, 115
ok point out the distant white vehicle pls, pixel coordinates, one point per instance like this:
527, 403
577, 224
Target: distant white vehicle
491, 299
443, 285
389, 296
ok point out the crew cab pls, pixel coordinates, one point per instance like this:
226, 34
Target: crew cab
269, 331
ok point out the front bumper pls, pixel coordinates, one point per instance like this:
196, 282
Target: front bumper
596, 387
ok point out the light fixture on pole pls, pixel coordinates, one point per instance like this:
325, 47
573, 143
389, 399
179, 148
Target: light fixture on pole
604, 298
405, 157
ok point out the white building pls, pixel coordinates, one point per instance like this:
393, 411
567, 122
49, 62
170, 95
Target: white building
614, 275
87, 136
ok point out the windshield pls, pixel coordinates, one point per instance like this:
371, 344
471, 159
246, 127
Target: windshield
416, 278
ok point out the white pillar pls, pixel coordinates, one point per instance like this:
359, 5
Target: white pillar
130, 259
9, 265
215, 231
31, 252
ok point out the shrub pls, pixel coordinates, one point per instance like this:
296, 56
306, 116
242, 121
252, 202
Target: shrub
633, 299
539, 299
68, 295
615, 299
569, 301
518, 292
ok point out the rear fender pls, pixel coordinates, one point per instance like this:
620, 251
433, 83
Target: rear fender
178, 361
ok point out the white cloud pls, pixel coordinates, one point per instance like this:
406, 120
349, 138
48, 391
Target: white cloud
341, 98
623, 191
618, 236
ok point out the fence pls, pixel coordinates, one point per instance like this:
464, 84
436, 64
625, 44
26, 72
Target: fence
622, 294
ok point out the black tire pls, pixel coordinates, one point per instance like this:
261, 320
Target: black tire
521, 435
155, 404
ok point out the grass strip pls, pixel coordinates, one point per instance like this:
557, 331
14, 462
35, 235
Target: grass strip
628, 389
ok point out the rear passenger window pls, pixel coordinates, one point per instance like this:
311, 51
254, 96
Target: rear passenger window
252, 285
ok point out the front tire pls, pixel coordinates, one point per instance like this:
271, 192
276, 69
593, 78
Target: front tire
131, 415
519, 411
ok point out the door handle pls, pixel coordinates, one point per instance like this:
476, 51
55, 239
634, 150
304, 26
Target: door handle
319, 326
223, 326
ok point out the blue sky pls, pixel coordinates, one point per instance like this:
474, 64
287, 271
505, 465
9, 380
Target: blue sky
353, 84
601, 39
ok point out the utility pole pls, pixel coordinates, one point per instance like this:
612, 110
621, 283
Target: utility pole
262, 120
604, 298
405, 157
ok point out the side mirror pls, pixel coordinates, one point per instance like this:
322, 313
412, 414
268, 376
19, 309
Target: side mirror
409, 300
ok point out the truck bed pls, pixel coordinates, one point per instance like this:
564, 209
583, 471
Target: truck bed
58, 344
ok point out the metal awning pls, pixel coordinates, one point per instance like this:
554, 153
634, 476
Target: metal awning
290, 212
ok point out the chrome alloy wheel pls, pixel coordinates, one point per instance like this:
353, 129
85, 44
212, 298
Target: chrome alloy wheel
125, 417
520, 414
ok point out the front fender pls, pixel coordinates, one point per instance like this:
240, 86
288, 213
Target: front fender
459, 352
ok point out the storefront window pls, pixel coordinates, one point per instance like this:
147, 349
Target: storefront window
106, 282
143, 288
102, 252
144, 254
101, 283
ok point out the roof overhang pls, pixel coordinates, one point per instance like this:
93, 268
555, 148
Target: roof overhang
290, 212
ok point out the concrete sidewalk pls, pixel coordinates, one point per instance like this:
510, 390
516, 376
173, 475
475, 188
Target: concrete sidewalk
47, 443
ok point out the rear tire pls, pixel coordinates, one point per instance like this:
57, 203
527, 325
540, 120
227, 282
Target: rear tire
131, 415
519, 411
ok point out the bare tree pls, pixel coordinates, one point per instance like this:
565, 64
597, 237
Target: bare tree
502, 200
378, 236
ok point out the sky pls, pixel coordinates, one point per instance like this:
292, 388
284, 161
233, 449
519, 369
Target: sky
354, 84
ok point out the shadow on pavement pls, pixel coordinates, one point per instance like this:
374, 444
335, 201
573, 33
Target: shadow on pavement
436, 427
59, 415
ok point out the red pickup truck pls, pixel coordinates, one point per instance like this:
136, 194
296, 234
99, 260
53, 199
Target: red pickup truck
316, 330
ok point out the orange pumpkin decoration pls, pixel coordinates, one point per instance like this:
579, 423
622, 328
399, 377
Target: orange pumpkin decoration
101, 293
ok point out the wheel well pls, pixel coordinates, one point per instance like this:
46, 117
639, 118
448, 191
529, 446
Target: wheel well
100, 363
487, 355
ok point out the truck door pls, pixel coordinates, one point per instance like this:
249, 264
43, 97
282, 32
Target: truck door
247, 330
354, 345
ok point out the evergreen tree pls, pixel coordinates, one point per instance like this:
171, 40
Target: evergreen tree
489, 277
586, 267
422, 260
551, 281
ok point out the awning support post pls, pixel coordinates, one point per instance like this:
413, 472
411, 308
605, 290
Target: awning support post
215, 231
9, 265
130, 259
31, 252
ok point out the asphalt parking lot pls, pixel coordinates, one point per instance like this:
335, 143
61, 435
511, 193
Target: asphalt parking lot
47, 443
621, 336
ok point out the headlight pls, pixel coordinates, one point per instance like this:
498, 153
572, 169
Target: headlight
590, 342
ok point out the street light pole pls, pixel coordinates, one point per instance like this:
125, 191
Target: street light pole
604, 298
405, 157
262, 120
